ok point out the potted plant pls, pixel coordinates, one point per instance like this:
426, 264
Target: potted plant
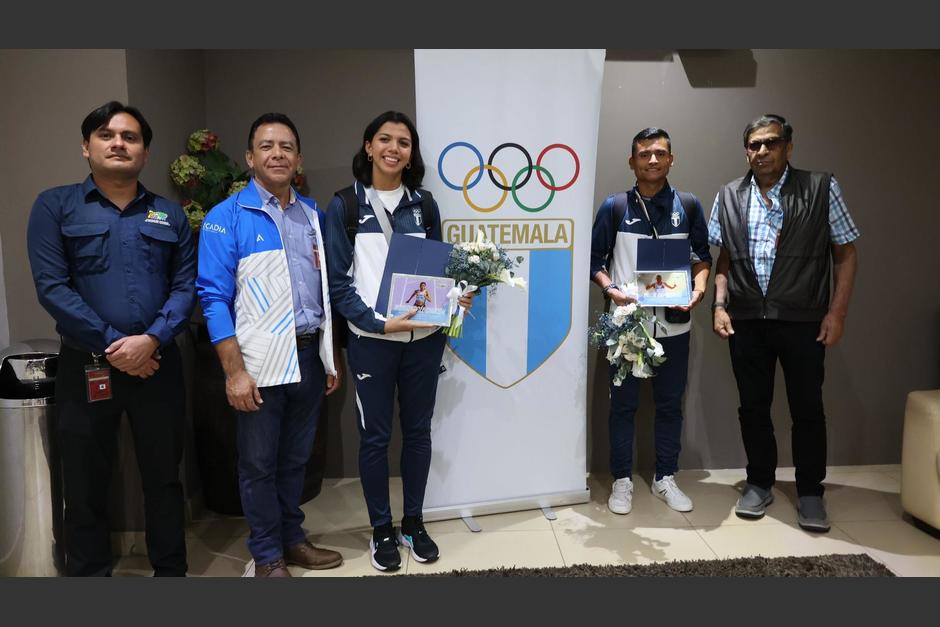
205, 176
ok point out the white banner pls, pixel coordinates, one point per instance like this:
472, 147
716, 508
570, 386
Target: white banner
509, 139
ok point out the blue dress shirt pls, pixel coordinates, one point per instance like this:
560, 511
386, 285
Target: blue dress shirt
103, 273
300, 242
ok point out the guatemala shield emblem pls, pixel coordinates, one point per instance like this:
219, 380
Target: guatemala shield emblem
510, 332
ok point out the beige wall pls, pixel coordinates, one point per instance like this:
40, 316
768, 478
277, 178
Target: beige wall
4, 315
330, 95
168, 86
867, 116
47, 94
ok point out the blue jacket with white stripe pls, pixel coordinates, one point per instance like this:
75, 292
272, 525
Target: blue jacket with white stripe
244, 286
356, 271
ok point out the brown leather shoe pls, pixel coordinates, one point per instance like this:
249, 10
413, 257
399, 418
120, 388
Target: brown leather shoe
306, 555
274, 569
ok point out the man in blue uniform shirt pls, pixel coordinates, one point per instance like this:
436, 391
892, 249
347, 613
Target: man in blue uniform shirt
114, 265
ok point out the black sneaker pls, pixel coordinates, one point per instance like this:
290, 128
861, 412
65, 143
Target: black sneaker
384, 549
414, 536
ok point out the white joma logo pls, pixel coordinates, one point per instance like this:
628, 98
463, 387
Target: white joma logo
364, 375
633, 221
363, 219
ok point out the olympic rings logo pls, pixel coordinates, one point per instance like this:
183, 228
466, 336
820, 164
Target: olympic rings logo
525, 174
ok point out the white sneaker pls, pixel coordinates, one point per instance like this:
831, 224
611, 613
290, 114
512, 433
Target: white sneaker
621, 496
667, 490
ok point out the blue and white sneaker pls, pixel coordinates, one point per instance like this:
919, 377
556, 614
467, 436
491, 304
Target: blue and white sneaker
415, 537
384, 548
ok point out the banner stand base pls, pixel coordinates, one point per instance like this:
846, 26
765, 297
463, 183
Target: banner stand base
539, 501
472, 525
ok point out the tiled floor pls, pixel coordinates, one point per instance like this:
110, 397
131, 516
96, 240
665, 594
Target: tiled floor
863, 501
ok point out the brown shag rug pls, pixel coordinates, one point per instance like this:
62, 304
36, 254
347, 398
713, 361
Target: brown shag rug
860, 565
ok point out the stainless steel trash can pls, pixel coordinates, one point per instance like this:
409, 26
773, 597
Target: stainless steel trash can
31, 505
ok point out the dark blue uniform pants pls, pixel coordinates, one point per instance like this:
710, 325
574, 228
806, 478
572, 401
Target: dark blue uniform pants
378, 367
87, 431
668, 388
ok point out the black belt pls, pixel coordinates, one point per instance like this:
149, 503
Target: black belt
307, 340
75, 346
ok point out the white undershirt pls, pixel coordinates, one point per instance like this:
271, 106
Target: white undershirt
391, 198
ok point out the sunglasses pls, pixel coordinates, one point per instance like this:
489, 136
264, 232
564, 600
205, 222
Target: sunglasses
771, 143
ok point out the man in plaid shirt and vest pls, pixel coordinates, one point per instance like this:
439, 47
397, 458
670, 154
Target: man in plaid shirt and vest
782, 233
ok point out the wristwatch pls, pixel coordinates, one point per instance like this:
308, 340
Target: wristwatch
608, 287
719, 305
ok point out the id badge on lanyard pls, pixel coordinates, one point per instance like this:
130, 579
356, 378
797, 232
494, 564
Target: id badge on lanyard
316, 248
97, 380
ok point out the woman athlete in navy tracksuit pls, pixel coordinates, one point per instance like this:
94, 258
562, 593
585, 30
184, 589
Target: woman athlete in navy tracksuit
386, 353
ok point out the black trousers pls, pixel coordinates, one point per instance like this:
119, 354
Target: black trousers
755, 348
88, 436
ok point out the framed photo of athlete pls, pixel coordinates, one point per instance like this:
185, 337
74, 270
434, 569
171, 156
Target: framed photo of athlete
663, 288
663, 272
427, 293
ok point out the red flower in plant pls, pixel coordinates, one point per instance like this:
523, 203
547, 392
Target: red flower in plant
210, 142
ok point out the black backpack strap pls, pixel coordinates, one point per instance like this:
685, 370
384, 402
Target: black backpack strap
687, 201
351, 207
350, 199
427, 210
618, 212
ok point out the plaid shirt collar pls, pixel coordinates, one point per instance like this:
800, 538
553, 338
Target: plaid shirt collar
775, 190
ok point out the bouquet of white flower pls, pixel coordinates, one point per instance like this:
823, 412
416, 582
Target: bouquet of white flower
629, 345
475, 265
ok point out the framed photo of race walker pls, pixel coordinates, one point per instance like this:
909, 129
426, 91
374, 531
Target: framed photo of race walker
426, 293
663, 288
663, 272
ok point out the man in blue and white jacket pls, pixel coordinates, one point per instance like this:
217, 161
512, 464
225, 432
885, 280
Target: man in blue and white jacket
651, 209
264, 291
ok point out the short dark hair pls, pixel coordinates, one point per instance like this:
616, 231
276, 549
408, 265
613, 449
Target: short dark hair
362, 167
272, 118
652, 132
766, 120
103, 114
